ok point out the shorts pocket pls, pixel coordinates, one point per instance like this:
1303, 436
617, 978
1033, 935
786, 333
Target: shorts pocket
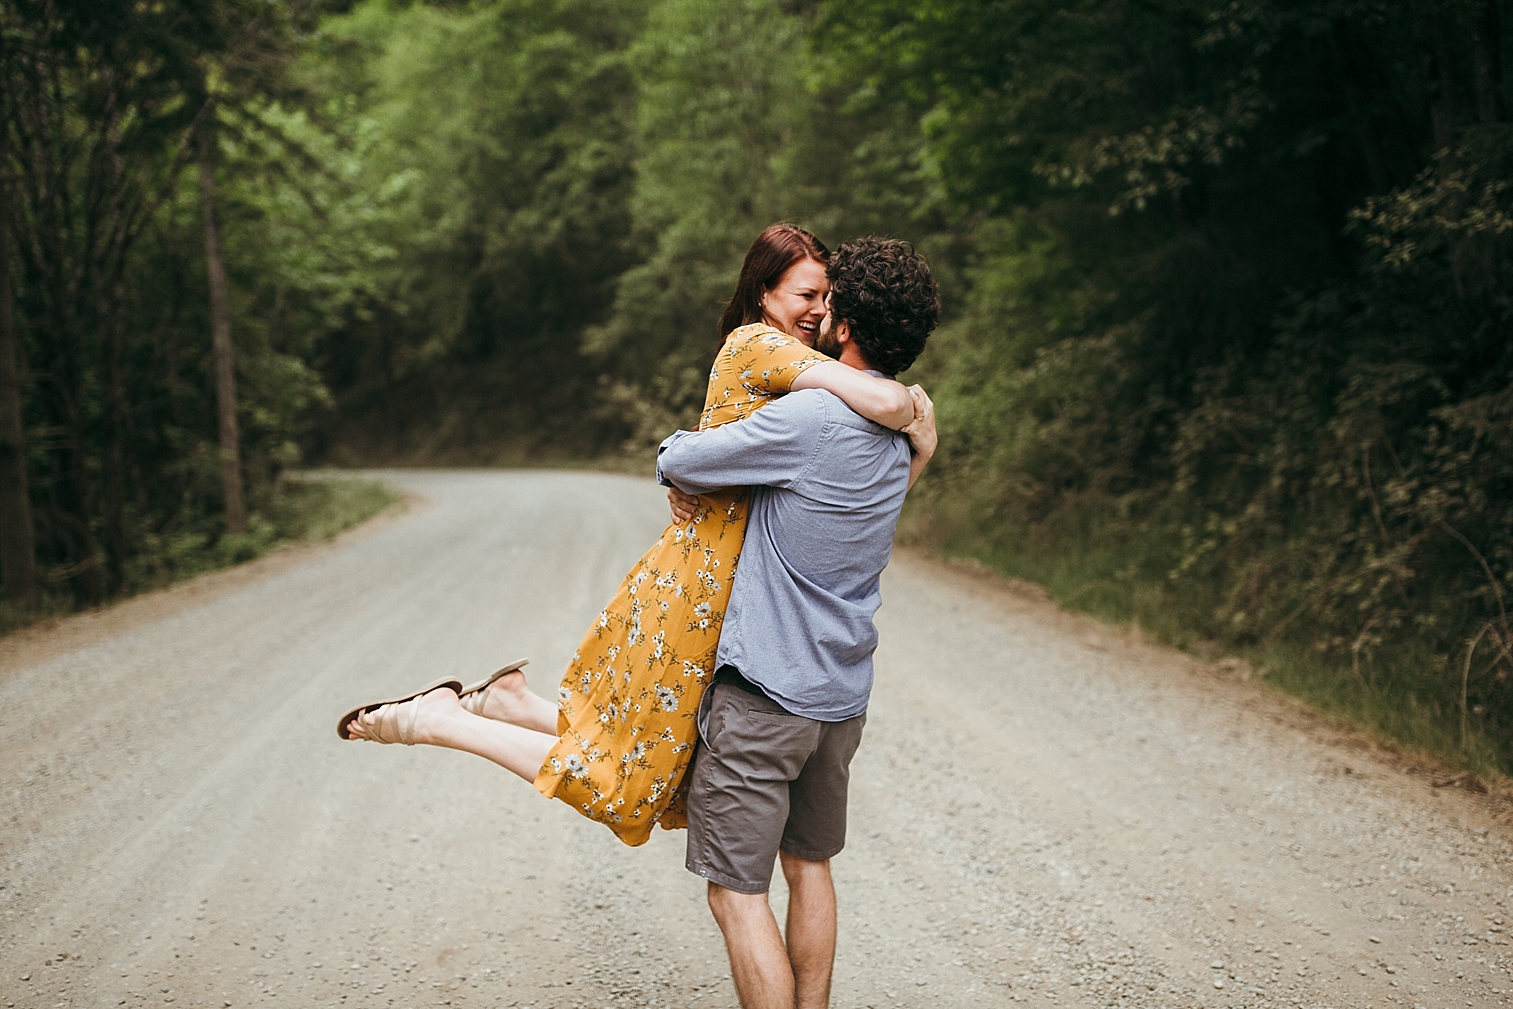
714, 721
787, 737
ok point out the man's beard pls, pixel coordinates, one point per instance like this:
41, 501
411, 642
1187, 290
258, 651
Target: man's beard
825, 341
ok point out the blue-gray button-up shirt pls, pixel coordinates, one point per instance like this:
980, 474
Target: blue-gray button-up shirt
827, 488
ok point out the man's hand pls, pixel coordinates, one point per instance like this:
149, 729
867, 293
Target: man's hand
685, 505
921, 430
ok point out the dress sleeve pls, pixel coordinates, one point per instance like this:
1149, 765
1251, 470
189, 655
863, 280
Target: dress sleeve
766, 361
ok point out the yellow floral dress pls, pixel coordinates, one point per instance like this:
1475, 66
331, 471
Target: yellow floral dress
630, 696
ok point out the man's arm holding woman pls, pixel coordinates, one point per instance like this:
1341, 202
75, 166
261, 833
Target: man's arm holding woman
773, 447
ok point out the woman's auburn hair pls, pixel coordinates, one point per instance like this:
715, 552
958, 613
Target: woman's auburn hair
770, 256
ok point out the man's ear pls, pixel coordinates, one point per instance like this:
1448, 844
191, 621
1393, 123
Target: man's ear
841, 331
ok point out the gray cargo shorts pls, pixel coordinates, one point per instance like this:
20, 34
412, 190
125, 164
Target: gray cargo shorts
765, 780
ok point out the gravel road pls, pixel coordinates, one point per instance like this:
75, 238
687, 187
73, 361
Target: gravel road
1044, 811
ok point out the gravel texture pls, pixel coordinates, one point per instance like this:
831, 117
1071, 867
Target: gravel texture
1044, 811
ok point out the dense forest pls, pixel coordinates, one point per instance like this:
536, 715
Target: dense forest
1227, 344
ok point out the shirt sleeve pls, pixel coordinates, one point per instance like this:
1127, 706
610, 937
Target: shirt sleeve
773, 447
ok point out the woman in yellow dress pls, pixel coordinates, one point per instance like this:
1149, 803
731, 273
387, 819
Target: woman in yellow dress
616, 745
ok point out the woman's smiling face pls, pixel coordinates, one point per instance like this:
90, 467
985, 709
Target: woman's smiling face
796, 304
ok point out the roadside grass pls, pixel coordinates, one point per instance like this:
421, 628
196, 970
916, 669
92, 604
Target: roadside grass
299, 510
1405, 693
314, 510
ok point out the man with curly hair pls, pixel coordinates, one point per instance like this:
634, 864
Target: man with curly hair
784, 716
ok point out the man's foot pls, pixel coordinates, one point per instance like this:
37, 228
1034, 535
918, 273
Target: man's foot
408, 722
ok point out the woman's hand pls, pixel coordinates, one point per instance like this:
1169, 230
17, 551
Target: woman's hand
683, 505
921, 432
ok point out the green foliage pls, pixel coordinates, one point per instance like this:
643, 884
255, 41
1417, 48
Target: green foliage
499, 136
99, 111
719, 124
1231, 356
736, 128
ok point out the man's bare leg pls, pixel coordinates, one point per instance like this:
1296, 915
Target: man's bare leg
508, 699
441, 721
811, 929
758, 961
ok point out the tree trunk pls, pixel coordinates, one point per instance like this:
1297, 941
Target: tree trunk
220, 342
18, 560
1358, 119
1489, 103
1441, 100
113, 514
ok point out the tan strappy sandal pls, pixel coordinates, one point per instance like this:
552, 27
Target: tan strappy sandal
389, 724
472, 697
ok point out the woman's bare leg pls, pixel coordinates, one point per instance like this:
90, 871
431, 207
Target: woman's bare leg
508, 699
441, 721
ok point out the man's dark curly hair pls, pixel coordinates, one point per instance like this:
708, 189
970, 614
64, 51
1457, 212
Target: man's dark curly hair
885, 290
